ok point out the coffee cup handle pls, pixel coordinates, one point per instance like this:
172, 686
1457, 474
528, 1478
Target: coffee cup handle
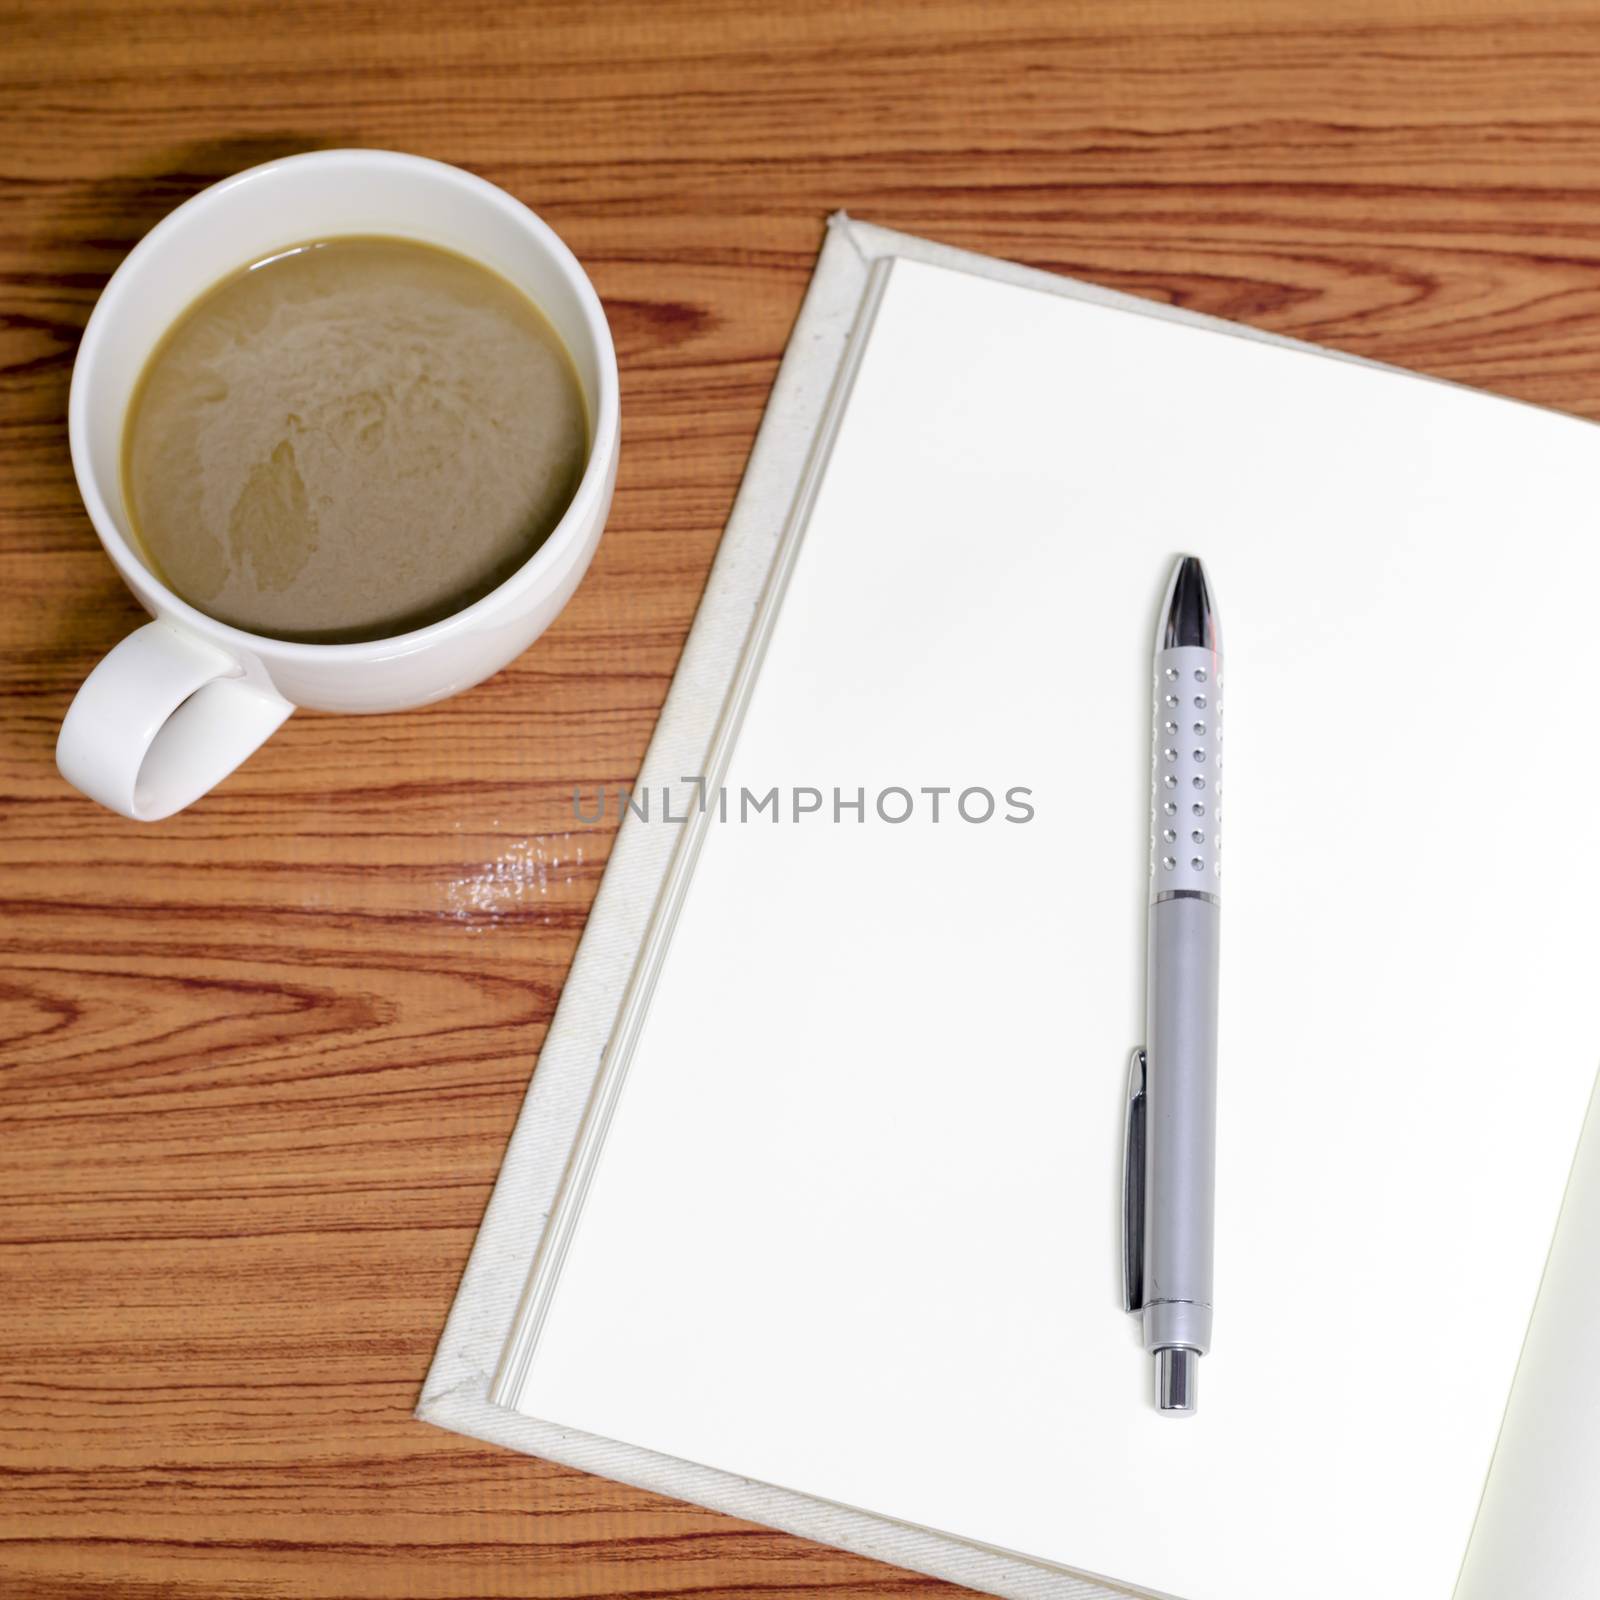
162, 719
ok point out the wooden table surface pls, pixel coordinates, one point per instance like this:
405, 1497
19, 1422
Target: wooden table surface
260, 1061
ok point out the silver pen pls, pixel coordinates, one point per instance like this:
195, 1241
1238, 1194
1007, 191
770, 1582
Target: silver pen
1170, 1149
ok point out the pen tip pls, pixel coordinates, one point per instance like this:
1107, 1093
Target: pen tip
1189, 617
1177, 1371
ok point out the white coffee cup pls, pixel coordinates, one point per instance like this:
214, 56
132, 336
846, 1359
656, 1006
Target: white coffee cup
175, 707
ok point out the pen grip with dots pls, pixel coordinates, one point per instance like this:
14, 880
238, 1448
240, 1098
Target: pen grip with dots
1186, 774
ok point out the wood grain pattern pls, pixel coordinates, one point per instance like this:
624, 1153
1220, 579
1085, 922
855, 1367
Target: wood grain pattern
260, 1061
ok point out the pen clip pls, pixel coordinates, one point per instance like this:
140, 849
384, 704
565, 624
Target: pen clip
1133, 1145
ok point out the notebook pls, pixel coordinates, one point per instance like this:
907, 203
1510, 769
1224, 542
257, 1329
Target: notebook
812, 1212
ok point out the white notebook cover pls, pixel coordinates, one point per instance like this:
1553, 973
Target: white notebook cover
470, 1349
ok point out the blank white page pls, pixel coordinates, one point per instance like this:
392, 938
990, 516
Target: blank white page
854, 1228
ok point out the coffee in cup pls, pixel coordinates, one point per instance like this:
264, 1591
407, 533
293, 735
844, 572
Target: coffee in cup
347, 425
351, 438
